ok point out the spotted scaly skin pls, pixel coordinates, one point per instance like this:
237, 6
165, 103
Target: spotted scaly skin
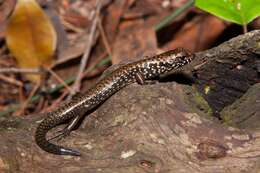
78, 106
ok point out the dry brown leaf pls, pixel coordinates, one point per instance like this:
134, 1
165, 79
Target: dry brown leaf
31, 36
134, 41
198, 34
134, 45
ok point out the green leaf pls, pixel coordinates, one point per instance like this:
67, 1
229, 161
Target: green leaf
238, 11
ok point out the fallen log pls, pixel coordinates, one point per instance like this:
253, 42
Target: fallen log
165, 127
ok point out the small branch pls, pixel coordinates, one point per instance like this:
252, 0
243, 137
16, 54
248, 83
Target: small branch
25, 104
85, 57
71, 27
11, 80
104, 37
58, 79
20, 70
103, 61
64, 60
245, 28
167, 20
51, 90
29, 70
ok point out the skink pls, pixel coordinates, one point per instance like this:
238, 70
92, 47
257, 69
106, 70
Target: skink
78, 106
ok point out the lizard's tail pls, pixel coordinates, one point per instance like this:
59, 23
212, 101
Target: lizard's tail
43, 143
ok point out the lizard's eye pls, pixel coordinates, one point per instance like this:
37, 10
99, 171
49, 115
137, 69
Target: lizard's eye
171, 61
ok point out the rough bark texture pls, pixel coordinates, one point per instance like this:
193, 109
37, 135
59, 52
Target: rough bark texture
164, 127
230, 70
245, 112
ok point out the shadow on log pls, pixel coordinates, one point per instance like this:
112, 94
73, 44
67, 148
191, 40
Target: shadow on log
166, 127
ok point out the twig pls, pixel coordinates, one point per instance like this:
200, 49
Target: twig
50, 90
71, 27
104, 37
85, 57
69, 54
25, 104
64, 60
11, 80
244, 28
20, 70
21, 96
33, 70
166, 21
102, 60
58, 78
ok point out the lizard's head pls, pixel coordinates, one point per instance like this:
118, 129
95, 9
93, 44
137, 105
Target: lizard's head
177, 58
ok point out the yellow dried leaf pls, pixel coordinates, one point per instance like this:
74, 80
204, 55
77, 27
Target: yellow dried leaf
30, 36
